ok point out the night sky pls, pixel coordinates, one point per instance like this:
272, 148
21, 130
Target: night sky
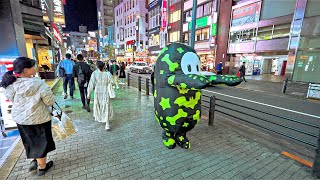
81, 12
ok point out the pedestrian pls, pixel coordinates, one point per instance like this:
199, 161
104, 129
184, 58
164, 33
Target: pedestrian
219, 68
114, 69
67, 64
31, 98
92, 65
99, 82
82, 72
122, 73
242, 71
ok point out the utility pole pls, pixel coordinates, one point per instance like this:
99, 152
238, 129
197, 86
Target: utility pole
193, 23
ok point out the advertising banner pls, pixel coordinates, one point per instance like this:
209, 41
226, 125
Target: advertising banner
164, 14
246, 14
56, 33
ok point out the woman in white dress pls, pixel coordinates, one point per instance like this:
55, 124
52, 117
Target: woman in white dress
99, 82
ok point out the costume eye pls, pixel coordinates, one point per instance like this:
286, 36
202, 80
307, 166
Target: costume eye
189, 68
190, 63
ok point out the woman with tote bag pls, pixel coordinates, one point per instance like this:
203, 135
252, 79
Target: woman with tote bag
101, 82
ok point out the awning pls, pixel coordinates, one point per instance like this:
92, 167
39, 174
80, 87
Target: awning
130, 42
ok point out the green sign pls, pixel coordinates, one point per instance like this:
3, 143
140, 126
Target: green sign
201, 22
214, 29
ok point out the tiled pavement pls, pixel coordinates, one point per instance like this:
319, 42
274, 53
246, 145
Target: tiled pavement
133, 149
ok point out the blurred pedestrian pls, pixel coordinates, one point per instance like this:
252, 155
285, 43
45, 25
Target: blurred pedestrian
99, 82
114, 70
242, 71
92, 65
82, 72
122, 73
219, 68
31, 98
67, 64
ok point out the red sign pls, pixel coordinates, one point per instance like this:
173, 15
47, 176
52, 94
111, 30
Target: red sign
56, 33
164, 14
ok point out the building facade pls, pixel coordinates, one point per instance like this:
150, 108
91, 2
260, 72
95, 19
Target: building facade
131, 30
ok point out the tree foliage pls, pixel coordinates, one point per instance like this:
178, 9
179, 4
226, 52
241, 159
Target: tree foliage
109, 51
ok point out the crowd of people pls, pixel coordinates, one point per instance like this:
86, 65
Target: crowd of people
32, 98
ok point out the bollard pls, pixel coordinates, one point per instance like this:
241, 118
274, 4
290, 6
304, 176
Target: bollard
211, 110
139, 83
128, 79
316, 164
147, 86
284, 87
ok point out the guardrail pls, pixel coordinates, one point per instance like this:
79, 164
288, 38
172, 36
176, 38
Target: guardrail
211, 104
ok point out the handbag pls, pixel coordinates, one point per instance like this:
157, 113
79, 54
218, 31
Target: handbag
111, 91
62, 126
62, 72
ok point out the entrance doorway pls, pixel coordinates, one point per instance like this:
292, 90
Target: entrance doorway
284, 67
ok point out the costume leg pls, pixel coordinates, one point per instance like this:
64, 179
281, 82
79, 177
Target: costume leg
182, 140
168, 139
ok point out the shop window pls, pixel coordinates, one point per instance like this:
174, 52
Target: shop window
242, 36
207, 9
175, 16
276, 8
307, 66
265, 33
202, 34
185, 15
199, 11
186, 37
281, 31
175, 36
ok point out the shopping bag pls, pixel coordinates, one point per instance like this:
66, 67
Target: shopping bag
62, 126
111, 91
238, 74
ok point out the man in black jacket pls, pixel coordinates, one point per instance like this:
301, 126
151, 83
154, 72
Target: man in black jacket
82, 72
242, 71
114, 70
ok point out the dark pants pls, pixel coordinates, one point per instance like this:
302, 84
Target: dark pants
68, 80
242, 76
83, 95
219, 72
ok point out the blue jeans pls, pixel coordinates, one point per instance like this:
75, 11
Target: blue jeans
68, 79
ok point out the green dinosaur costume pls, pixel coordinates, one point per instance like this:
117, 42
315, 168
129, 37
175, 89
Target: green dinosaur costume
177, 92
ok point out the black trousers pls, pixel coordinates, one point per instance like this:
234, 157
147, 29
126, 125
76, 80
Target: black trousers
83, 95
68, 80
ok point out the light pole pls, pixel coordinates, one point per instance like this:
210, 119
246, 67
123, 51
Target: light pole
193, 23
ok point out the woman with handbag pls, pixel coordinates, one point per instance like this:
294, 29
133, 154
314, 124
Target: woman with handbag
31, 99
101, 82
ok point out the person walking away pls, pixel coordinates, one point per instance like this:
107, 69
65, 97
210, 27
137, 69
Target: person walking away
219, 68
92, 65
242, 71
31, 98
114, 69
82, 72
122, 73
67, 64
99, 82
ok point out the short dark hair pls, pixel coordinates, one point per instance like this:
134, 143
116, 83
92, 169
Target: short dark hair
243, 62
80, 57
100, 65
68, 56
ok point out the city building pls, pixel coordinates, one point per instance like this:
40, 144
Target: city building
276, 37
32, 28
205, 32
131, 30
155, 9
105, 10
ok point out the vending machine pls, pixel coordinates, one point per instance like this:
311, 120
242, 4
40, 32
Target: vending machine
6, 64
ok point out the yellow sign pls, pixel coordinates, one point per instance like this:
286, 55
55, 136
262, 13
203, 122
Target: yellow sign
304, 57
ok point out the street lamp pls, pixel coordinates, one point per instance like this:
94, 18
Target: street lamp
193, 23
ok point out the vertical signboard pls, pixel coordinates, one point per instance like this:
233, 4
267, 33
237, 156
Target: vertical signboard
164, 14
56, 33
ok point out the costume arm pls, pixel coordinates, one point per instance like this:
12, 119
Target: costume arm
228, 80
91, 85
190, 81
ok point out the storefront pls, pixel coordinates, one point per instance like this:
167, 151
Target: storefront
206, 55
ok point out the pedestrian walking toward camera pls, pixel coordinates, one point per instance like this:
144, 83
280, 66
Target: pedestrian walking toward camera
100, 83
114, 70
242, 71
122, 73
31, 98
66, 65
82, 72
219, 68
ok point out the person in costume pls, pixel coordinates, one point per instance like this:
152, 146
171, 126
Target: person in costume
177, 92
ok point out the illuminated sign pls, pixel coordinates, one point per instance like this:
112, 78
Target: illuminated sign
56, 33
58, 13
201, 22
164, 14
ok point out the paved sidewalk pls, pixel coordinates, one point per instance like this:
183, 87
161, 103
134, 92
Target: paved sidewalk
133, 149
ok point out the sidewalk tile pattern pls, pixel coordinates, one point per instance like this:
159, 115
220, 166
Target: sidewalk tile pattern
133, 149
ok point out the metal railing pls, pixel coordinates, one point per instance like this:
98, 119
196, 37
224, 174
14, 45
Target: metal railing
210, 104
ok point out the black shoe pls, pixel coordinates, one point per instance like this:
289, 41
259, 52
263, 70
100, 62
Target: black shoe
65, 96
42, 172
33, 165
88, 109
72, 97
